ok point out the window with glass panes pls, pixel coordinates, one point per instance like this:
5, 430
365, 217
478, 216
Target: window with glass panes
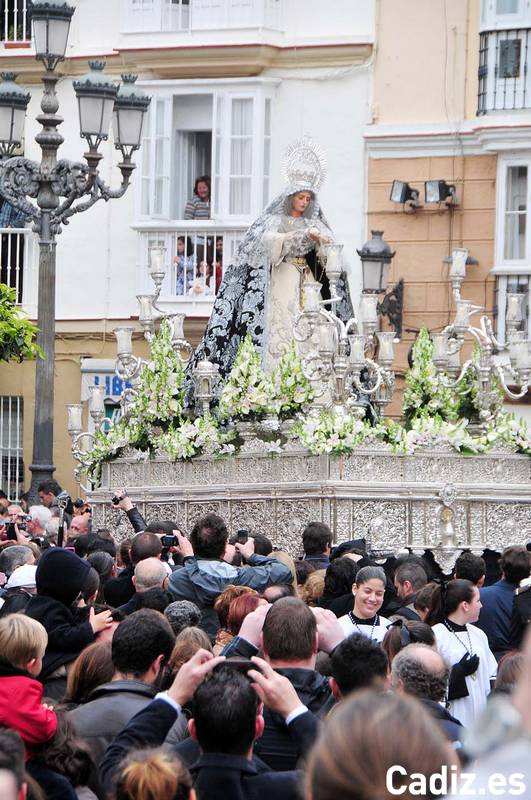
513, 245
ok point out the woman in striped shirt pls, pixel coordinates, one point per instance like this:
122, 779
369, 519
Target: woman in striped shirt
199, 205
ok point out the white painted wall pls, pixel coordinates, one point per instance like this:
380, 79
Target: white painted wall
332, 107
97, 252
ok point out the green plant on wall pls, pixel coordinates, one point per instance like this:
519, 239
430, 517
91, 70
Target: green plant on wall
17, 332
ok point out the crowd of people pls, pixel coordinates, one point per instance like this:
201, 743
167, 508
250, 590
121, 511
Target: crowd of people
176, 665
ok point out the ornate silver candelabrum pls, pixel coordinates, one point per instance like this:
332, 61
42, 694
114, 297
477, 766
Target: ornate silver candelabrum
498, 365
82, 441
128, 366
347, 363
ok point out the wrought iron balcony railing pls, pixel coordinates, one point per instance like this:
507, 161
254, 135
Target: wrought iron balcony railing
15, 28
504, 75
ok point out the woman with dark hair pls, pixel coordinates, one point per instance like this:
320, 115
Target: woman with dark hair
62, 764
339, 579
368, 590
198, 207
104, 565
402, 632
92, 668
454, 607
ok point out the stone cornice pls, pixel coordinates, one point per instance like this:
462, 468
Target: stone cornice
202, 61
488, 134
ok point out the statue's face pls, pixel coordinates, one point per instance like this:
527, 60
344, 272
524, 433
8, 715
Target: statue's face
300, 202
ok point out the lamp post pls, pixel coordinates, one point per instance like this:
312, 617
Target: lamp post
60, 188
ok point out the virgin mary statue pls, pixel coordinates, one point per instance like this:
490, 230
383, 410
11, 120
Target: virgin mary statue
261, 292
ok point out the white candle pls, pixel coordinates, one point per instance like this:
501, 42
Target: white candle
333, 260
178, 326
458, 265
357, 348
74, 417
311, 295
514, 307
440, 347
523, 356
385, 347
368, 312
145, 312
124, 341
327, 338
462, 315
97, 399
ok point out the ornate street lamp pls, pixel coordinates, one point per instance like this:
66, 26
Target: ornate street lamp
13, 104
61, 188
376, 256
51, 25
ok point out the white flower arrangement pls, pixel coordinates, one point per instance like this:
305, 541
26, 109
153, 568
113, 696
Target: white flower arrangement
189, 439
109, 444
433, 416
425, 396
507, 430
290, 391
434, 431
331, 433
246, 392
160, 396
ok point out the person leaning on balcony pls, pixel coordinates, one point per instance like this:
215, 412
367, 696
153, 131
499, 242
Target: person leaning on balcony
11, 217
198, 207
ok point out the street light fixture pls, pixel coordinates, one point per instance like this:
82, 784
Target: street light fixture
129, 113
13, 104
96, 95
376, 256
61, 188
51, 25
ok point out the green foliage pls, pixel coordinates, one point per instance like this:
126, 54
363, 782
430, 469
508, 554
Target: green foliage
17, 333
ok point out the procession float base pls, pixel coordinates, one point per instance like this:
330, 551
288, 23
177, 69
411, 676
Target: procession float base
435, 499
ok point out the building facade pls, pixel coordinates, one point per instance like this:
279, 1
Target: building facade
451, 102
233, 82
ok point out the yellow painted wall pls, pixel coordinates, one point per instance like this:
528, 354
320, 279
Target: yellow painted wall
423, 238
19, 380
426, 62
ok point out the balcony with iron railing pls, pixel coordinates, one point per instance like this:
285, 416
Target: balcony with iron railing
504, 77
15, 27
197, 253
18, 266
142, 16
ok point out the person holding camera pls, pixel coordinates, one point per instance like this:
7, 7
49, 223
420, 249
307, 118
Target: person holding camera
207, 568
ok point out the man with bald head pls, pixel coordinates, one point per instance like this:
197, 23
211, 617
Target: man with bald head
149, 573
421, 671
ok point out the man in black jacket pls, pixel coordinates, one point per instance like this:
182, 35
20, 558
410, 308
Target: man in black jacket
410, 577
141, 645
227, 719
290, 638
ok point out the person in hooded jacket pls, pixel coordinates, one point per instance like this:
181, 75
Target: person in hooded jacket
60, 578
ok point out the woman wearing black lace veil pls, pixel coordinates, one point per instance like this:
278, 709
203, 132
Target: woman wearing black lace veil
261, 291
